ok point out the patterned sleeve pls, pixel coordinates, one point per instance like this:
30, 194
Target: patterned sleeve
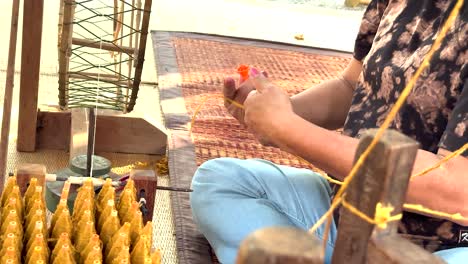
369, 26
456, 132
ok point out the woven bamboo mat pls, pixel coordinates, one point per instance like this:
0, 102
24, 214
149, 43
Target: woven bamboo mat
191, 68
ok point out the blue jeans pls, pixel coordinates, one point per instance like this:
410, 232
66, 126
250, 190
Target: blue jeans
232, 198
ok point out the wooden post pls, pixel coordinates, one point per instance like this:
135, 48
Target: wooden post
386, 246
30, 68
392, 157
145, 184
8, 97
25, 172
280, 245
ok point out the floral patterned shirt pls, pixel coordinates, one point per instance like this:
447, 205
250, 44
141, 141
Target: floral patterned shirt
394, 37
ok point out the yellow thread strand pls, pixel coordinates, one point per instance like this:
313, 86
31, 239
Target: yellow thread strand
421, 209
382, 214
324, 217
442, 161
329, 179
319, 172
194, 116
234, 103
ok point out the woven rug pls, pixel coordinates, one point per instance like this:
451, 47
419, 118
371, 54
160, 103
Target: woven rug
191, 68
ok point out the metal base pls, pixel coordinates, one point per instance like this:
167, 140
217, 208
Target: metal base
101, 169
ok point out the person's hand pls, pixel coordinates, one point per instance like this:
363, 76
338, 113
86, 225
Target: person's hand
237, 93
266, 108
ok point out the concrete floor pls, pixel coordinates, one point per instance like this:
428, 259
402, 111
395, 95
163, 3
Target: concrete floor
323, 25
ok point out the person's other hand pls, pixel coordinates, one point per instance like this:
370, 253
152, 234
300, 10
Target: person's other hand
237, 93
266, 107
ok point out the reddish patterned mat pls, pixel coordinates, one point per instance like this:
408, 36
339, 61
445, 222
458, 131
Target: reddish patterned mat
204, 63
191, 68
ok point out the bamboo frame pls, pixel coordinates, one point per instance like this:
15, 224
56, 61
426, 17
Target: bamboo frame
65, 47
30, 119
135, 50
141, 54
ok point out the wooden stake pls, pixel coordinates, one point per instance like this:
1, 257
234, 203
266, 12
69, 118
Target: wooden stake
8, 97
392, 157
386, 246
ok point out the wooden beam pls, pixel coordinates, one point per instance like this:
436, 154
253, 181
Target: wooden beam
8, 96
280, 245
364, 192
102, 45
30, 68
114, 133
402, 157
394, 249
